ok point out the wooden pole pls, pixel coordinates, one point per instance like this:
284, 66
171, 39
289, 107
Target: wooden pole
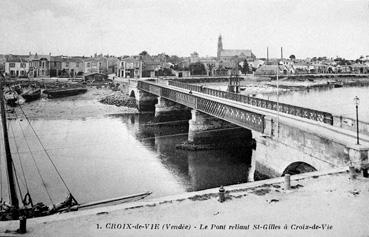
9, 161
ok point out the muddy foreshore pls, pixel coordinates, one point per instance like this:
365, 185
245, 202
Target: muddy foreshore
74, 107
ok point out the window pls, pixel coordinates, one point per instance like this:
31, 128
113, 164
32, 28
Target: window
67, 64
11, 64
88, 65
77, 64
23, 65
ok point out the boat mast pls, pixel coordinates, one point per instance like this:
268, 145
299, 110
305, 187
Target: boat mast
9, 160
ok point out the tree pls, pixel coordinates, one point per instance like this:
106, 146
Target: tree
174, 59
164, 72
245, 68
144, 53
197, 69
292, 57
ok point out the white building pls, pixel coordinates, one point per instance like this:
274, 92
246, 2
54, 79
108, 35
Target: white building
17, 66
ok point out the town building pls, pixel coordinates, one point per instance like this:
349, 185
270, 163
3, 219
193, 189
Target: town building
129, 67
39, 65
271, 70
17, 66
72, 67
360, 68
228, 60
112, 64
98, 63
96, 77
55, 66
151, 64
228, 54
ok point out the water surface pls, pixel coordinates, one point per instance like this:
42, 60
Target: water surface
110, 156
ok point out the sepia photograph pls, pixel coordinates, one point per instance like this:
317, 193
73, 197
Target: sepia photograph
184, 118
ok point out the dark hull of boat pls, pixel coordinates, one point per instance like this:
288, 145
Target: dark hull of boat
11, 102
57, 93
33, 95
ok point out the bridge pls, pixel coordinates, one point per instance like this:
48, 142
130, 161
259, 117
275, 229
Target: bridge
288, 138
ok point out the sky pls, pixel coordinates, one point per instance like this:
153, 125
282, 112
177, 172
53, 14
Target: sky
305, 28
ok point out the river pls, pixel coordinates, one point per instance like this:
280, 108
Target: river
110, 156
338, 101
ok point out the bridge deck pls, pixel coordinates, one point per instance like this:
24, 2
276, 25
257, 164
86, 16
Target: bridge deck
339, 135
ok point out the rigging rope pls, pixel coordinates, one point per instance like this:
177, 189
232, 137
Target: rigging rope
16, 179
47, 154
19, 157
20, 161
27, 199
35, 163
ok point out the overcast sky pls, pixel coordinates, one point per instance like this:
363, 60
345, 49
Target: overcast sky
125, 27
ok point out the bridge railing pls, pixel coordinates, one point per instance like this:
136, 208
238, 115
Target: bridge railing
312, 114
243, 118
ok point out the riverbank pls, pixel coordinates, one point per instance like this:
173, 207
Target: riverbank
257, 86
319, 204
79, 106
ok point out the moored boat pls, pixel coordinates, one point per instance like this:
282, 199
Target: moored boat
338, 84
31, 94
62, 92
11, 98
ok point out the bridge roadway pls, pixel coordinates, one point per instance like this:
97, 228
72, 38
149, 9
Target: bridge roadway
327, 131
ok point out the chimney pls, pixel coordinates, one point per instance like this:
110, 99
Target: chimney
282, 53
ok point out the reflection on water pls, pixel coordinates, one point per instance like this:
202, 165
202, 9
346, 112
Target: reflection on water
118, 155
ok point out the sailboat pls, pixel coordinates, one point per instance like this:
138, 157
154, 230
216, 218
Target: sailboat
14, 209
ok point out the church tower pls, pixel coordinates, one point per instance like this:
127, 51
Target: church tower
220, 46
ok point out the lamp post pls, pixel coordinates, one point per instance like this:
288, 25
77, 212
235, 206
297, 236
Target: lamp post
277, 100
357, 101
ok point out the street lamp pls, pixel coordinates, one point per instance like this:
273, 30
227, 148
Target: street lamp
357, 101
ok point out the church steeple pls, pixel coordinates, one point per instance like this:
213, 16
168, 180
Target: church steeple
220, 46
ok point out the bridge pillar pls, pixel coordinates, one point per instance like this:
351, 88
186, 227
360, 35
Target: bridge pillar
268, 129
146, 101
166, 107
358, 155
205, 129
